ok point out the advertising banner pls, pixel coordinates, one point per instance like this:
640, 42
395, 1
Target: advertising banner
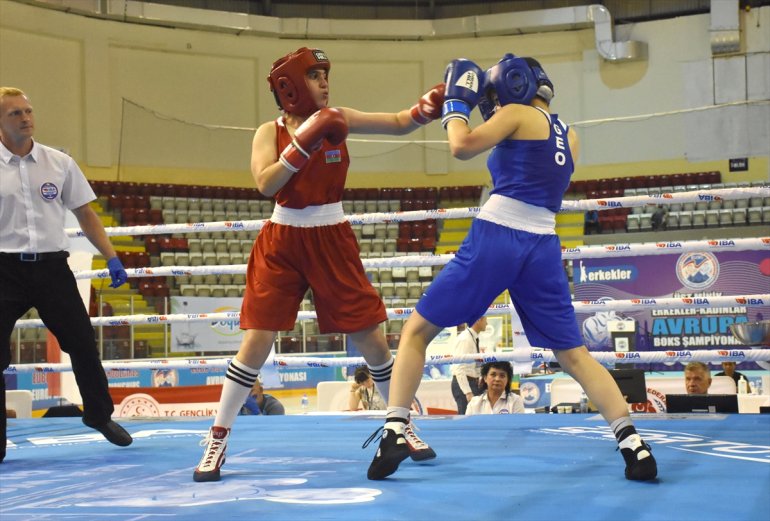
215, 336
693, 275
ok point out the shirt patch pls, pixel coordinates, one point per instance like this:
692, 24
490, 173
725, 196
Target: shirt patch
49, 191
333, 156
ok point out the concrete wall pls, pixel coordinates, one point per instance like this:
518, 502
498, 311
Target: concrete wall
78, 70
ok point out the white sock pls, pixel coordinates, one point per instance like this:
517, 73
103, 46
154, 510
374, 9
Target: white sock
238, 382
397, 419
381, 376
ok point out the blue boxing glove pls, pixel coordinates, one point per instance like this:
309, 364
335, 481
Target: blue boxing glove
117, 272
463, 80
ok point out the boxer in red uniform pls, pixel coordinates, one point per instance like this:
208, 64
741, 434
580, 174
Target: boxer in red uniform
301, 160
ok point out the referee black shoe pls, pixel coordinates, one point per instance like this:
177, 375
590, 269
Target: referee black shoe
392, 451
114, 433
640, 463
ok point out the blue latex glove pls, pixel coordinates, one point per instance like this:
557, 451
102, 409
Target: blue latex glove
117, 272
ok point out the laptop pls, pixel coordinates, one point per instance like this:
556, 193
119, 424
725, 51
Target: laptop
685, 403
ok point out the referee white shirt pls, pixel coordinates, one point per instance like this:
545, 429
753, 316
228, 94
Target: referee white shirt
35, 192
467, 343
481, 405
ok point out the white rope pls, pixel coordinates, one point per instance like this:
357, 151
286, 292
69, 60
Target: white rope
448, 213
577, 252
523, 355
586, 306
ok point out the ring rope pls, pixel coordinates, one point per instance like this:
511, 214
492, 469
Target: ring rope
519, 355
577, 252
585, 306
448, 213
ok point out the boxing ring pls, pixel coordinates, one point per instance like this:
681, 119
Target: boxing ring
310, 466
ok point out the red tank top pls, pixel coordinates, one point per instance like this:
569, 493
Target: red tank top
320, 181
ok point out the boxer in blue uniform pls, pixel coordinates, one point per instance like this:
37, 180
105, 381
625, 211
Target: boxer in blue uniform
512, 245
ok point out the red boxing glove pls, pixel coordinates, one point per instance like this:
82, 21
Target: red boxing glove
328, 124
428, 107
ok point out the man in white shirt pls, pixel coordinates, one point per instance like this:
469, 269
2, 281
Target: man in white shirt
465, 377
37, 186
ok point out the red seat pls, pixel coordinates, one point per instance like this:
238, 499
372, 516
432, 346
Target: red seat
160, 289
155, 216
142, 216
428, 244
179, 244
405, 230
444, 195
165, 244
151, 245
407, 205
415, 244
402, 244
372, 194
418, 228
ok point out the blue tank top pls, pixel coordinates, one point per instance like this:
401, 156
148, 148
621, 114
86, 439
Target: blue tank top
536, 172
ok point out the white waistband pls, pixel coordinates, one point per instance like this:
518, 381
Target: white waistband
518, 215
310, 216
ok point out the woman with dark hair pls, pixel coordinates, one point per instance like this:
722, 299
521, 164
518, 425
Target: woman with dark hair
497, 397
363, 393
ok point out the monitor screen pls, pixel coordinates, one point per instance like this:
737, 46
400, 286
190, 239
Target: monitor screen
632, 384
701, 403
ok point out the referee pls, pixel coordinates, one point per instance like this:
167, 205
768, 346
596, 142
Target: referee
37, 185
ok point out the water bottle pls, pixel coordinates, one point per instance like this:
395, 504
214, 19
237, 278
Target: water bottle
743, 386
583, 402
304, 403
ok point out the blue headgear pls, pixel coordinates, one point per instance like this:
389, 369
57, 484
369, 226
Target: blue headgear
514, 80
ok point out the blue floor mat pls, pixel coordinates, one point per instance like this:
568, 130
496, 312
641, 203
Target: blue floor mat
526, 467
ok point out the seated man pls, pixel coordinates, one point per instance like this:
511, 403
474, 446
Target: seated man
260, 403
697, 378
591, 224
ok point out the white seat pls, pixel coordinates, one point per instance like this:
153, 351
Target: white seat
672, 220
755, 216
739, 217
725, 217
632, 223
712, 218
699, 219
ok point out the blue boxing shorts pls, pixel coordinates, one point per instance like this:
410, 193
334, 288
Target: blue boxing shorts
494, 258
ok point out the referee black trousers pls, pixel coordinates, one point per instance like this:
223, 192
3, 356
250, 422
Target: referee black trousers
459, 395
50, 286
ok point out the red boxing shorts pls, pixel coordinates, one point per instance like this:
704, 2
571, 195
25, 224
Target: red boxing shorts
286, 260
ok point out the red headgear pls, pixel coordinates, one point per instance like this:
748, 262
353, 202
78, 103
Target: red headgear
287, 80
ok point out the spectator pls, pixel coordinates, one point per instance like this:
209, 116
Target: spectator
592, 223
260, 403
658, 219
496, 378
697, 378
465, 377
363, 393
